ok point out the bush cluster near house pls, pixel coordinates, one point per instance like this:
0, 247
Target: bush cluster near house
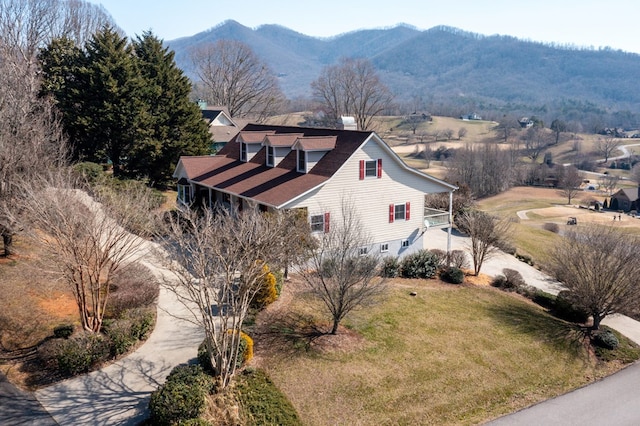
427, 264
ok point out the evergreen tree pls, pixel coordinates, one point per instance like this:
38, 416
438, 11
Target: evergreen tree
60, 64
113, 116
176, 127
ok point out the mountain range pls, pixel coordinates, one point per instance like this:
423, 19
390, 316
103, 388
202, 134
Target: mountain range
447, 65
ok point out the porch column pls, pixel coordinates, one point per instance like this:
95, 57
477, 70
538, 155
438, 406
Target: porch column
450, 224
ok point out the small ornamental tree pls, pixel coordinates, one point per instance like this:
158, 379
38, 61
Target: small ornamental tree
487, 234
600, 267
219, 259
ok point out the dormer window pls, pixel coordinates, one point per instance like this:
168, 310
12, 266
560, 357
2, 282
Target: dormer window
270, 156
243, 151
302, 161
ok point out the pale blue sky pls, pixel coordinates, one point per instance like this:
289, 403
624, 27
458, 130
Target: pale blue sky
583, 23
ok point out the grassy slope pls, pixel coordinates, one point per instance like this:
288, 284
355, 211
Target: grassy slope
450, 355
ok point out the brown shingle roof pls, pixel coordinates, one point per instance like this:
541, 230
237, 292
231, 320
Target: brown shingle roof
283, 140
253, 136
316, 143
272, 185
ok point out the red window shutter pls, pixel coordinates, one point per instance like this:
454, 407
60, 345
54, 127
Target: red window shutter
327, 219
407, 210
392, 212
379, 168
361, 169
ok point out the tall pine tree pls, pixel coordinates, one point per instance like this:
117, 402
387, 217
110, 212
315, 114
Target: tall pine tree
176, 127
128, 104
114, 116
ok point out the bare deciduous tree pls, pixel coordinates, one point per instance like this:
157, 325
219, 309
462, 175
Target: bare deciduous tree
218, 259
606, 146
30, 135
569, 183
462, 132
343, 272
87, 242
485, 168
600, 267
352, 88
536, 140
487, 234
234, 76
608, 182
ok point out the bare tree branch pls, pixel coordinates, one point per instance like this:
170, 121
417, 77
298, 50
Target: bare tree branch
600, 267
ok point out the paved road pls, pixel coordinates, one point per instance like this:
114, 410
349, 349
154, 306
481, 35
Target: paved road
21, 408
614, 400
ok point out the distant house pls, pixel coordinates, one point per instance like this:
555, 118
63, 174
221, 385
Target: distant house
625, 199
222, 127
472, 116
526, 122
315, 170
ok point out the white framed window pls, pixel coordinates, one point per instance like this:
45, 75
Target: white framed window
184, 194
363, 251
317, 223
243, 151
406, 243
384, 247
302, 161
399, 212
271, 156
371, 168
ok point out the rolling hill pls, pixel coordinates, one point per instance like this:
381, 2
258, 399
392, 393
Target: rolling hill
445, 64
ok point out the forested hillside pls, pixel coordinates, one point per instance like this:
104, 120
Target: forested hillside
448, 66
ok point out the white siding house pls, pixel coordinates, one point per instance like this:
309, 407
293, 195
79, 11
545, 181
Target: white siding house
318, 170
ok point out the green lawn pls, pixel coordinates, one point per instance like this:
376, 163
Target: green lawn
450, 355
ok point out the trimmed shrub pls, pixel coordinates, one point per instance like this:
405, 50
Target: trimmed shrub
182, 397
605, 339
245, 352
133, 286
203, 358
119, 333
268, 292
422, 264
79, 353
63, 331
390, 267
544, 299
459, 259
499, 281
551, 227
441, 257
452, 275
126, 331
262, 402
524, 258
514, 278
566, 309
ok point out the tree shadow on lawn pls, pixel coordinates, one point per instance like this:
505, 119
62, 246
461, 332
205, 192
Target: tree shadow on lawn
532, 321
287, 332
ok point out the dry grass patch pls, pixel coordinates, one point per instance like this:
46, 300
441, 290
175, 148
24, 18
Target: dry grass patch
450, 355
